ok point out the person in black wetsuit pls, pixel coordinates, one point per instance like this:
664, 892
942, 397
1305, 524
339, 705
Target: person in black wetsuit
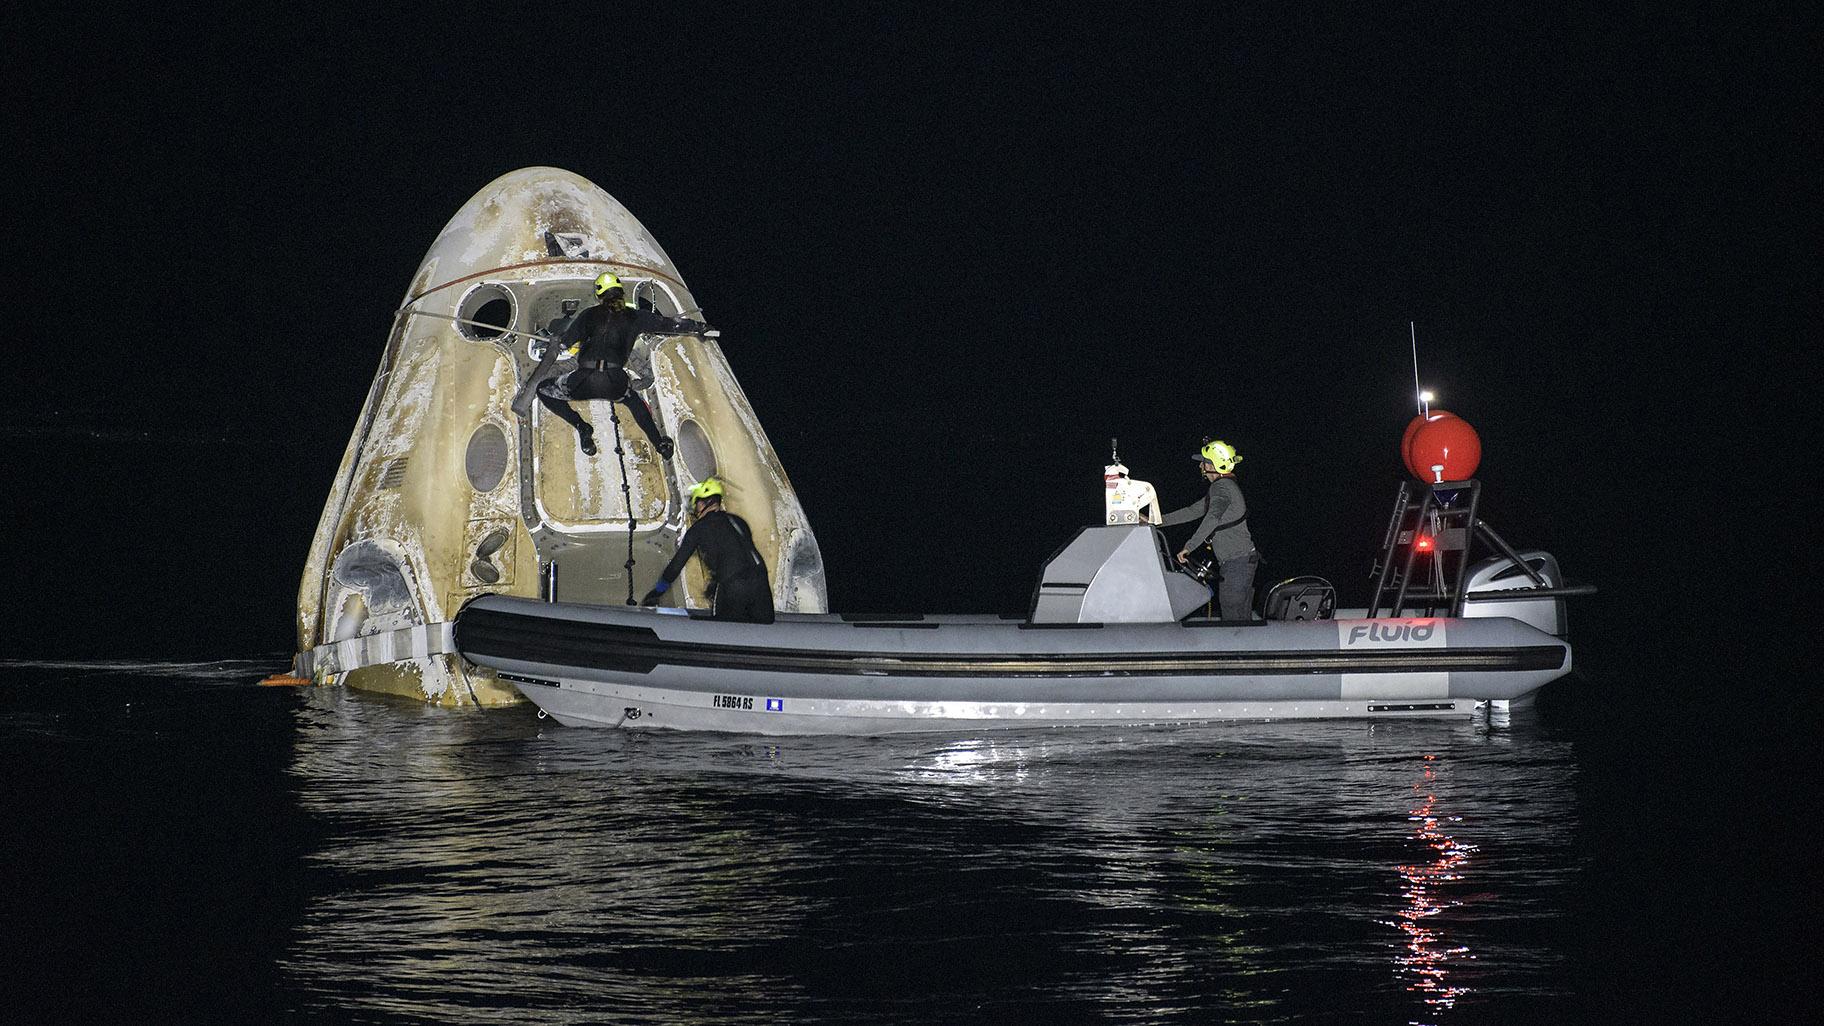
738, 587
603, 336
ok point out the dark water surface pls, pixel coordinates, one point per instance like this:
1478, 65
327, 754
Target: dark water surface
184, 841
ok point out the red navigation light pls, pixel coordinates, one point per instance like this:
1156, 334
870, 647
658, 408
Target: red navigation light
1422, 543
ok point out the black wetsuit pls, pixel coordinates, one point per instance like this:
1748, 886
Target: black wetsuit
738, 587
606, 333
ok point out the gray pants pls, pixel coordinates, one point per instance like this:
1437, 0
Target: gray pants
1235, 592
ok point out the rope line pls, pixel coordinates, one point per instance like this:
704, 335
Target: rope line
551, 262
409, 312
614, 418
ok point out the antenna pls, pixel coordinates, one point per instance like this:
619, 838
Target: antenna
1413, 327
1114, 451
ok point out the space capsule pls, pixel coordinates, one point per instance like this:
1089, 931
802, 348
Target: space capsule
446, 493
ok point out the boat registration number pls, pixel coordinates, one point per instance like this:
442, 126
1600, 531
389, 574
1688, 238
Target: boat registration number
732, 702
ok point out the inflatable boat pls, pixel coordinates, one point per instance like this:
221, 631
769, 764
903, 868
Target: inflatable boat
1113, 638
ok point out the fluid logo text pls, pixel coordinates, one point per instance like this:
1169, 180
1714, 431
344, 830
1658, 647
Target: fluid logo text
1391, 632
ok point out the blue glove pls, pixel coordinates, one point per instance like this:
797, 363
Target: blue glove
662, 587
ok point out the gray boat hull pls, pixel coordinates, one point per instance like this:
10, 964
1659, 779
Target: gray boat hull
821, 674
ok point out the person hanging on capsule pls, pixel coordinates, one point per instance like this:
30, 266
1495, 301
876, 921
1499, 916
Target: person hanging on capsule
602, 338
1222, 516
738, 586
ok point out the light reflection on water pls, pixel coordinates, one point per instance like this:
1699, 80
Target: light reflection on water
1428, 957
479, 861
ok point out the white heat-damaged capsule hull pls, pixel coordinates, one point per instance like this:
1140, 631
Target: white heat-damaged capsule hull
643, 669
445, 493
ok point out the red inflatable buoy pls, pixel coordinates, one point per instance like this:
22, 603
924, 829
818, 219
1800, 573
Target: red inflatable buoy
1448, 444
1412, 428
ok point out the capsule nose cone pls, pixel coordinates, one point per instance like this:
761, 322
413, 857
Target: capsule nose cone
537, 216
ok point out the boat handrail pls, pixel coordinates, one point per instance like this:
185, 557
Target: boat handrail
1510, 594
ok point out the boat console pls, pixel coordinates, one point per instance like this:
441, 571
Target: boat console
1119, 574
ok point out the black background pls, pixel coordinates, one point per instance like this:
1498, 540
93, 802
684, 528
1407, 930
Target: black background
952, 257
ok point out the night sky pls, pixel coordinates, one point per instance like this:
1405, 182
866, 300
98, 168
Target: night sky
951, 257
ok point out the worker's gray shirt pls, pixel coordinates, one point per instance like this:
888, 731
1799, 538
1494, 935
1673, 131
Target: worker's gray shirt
1223, 504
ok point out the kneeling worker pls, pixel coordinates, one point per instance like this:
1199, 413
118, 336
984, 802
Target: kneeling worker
1224, 516
738, 588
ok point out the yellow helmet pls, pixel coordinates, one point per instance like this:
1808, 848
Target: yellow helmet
605, 282
1222, 454
709, 488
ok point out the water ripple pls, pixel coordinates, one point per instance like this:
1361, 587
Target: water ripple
490, 860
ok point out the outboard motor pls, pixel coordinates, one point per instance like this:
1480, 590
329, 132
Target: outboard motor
1489, 577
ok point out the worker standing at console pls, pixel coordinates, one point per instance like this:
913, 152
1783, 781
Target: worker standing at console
603, 337
1223, 516
738, 588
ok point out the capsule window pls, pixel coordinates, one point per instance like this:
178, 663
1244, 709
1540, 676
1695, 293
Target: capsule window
699, 456
649, 294
486, 313
485, 461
